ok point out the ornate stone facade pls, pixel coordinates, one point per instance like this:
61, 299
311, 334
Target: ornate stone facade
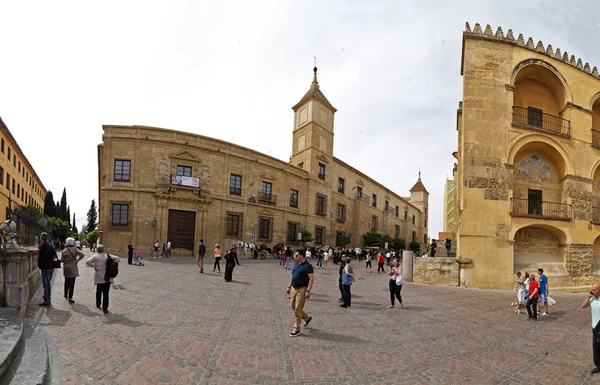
223, 192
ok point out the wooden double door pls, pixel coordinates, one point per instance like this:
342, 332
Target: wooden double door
182, 229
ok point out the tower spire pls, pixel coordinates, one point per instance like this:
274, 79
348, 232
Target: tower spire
419, 173
315, 83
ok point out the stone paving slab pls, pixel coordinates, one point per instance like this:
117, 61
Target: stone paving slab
168, 324
11, 330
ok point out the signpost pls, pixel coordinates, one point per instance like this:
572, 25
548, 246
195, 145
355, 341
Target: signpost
100, 231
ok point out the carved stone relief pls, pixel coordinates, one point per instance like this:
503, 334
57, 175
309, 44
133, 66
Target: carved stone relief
205, 177
162, 171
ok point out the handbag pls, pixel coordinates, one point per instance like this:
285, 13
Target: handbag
550, 301
399, 280
56, 261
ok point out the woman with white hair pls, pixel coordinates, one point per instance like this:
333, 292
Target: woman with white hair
70, 257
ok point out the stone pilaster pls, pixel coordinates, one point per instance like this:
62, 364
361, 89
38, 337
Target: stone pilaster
578, 261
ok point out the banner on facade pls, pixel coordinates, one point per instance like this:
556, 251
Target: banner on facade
186, 181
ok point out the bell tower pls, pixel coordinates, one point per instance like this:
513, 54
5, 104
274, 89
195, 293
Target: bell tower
312, 146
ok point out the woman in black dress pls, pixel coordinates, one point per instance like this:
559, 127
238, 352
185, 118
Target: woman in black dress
230, 258
130, 251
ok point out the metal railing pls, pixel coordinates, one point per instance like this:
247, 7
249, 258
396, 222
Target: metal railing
363, 197
541, 209
595, 138
537, 119
267, 197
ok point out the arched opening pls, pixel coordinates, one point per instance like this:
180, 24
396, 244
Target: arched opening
541, 247
596, 122
539, 99
538, 186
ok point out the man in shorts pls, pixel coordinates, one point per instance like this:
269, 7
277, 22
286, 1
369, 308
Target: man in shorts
201, 255
544, 291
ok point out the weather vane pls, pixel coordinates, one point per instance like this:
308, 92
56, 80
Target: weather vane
315, 61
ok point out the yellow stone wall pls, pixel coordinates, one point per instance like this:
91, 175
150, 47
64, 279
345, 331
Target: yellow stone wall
500, 71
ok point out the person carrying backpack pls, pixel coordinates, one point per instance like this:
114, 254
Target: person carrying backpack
106, 271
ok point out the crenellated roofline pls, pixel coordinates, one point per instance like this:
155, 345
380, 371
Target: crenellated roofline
499, 36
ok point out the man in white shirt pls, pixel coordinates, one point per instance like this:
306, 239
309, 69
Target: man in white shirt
78, 245
593, 300
388, 257
169, 249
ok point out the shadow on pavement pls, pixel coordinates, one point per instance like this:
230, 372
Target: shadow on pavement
332, 337
115, 318
83, 310
58, 317
240, 282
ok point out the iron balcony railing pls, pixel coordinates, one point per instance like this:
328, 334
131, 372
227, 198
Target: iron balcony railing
363, 197
267, 197
596, 214
532, 117
595, 138
541, 209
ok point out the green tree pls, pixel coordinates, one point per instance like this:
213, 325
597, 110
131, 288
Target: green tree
372, 239
60, 229
69, 215
63, 206
74, 226
30, 211
415, 246
49, 205
306, 235
92, 217
92, 237
345, 239
398, 244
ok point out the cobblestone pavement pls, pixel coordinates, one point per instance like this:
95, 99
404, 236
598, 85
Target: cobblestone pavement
168, 324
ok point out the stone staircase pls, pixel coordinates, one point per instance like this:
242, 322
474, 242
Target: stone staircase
441, 250
27, 355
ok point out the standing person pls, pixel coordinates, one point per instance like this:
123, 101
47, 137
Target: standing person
217, 254
301, 283
388, 257
544, 291
368, 263
526, 285
78, 245
98, 262
308, 254
326, 257
532, 298
520, 286
229, 264
201, 255
234, 253
46, 254
164, 251
169, 248
448, 244
593, 300
282, 257
288, 257
380, 262
129, 253
395, 284
70, 257
319, 259
340, 286
347, 279
433, 248
94, 246
156, 249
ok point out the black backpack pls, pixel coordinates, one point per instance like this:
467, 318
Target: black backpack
112, 268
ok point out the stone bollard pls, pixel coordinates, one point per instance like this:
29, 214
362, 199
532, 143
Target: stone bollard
407, 265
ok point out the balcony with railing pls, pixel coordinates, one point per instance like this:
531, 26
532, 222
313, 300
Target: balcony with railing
595, 138
538, 120
267, 197
363, 197
540, 209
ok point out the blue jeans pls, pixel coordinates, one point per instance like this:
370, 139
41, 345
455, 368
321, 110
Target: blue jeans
47, 283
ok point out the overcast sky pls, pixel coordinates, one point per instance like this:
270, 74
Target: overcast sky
233, 70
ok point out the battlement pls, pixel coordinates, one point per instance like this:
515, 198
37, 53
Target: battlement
487, 33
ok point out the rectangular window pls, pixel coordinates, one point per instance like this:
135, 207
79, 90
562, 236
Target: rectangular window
235, 184
405, 215
7, 181
292, 233
321, 171
293, 198
425, 220
396, 231
425, 238
13, 186
374, 223
341, 213
397, 211
374, 200
18, 190
22, 192
535, 117
120, 214
534, 202
264, 229
413, 220
122, 170
266, 190
27, 199
359, 192
2, 145
341, 183
386, 205
184, 170
9, 153
321, 204
14, 161
19, 166
319, 231
1, 176
414, 235
234, 221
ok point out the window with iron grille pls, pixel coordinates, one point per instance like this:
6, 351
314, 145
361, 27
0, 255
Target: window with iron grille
374, 221
321, 204
359, 192
184, 170
374, 200
234, 221
341, 184
293, 198
413, 219
319, 231
405, 215
264, 229
235, 184
122, 170
120, 214
321, 171
386, 205
292, 233
397, 211
267, 188
341, 212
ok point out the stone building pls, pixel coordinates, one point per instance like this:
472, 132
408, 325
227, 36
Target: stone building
528, 181
18, 180
159, 184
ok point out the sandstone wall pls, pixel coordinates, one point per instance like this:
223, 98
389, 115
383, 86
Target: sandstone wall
440, 271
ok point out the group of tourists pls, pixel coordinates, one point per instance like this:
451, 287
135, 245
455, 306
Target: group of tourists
230, 256
166, 249
70, 258
531, 292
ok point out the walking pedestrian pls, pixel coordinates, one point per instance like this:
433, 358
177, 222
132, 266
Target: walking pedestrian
368, 263
70, 257
200, 256
229, 264
308, 254
156, 249
326, 256
46, 254
164, 251
388, 257
169, 248
532, 298
340, 285
288, 257
217, 254
347, 279
396, 282
520, 287
448, 243
282, 257
593, 300
129, 253
98, 262
433, 248
380, 262
319, 259
301, 283
544, 291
